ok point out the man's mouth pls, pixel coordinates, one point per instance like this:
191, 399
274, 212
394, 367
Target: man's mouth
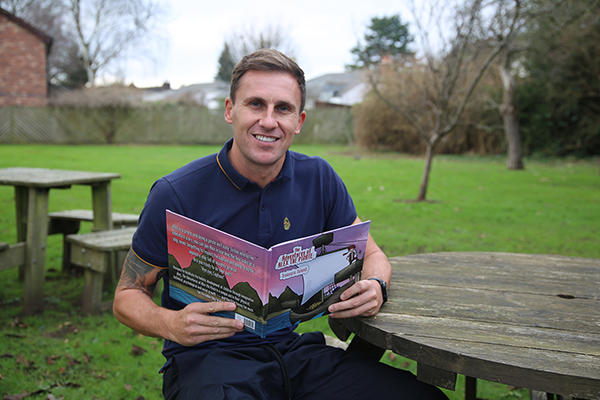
266, 139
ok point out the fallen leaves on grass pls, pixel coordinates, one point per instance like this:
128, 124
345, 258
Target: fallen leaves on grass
63, 330
72, 361
21, 396
137, 350
51, 360
15, 335
25, 362
17, 323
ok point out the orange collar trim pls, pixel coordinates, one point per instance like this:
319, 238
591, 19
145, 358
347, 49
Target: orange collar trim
227, 176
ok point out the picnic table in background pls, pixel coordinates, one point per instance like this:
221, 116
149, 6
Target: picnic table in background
530, 321
32, 187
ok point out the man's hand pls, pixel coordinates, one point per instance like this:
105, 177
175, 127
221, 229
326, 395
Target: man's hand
193, 324
363, 299
133, 306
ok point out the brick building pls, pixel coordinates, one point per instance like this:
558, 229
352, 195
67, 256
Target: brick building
23, 62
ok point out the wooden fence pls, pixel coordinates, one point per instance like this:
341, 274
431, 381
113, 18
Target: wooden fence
155, 124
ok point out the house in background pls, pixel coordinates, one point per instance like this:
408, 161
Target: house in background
23, 62
336, 90
211, 94
330, 90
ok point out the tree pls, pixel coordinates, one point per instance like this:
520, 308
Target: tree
544, 25
109, 108
448, 73
247, 40
559, 92
503, 21
107, 29
385, 37
50, 16
89, 35
226, 64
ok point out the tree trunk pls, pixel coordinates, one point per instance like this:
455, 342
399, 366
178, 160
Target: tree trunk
509, 117
426, 172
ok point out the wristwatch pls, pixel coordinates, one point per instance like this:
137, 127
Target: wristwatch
383, 288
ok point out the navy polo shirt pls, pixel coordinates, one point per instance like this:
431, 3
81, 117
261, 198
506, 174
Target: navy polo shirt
306, 198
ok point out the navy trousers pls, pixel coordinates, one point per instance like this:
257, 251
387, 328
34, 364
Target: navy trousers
301, 367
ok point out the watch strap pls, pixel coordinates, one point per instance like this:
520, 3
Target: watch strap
383, 286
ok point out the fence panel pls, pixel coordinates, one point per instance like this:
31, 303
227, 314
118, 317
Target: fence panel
151, 124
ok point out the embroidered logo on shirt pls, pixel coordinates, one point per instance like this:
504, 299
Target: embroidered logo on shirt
286, 224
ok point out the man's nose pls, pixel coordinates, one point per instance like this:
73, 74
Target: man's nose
268, 120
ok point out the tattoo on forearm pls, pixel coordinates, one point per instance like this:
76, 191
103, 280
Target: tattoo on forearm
138, 275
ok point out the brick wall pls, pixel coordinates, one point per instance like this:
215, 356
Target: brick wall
22, 66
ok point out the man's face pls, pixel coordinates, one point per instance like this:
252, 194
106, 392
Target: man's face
265, 117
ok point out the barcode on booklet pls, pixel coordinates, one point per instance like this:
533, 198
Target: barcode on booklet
247, 321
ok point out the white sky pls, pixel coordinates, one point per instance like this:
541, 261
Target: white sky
193, 32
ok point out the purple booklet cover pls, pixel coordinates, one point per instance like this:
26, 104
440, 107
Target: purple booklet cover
273, 288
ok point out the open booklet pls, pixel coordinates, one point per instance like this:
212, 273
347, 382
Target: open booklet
274, 288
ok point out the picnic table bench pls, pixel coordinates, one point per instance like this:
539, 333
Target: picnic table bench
530, 321
11, 255
69, 222
100, 254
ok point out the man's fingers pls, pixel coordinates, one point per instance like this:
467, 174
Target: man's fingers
361, 299
210, 307
195, 323
365, 310
213, 322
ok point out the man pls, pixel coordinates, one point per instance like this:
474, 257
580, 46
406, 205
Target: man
249, 189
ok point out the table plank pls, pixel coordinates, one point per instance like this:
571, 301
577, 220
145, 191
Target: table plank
42, 177
492, 333
572, 375
503, 271
495, 306
554, 371
520, 319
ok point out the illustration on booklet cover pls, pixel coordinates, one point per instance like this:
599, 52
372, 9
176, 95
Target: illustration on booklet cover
273, 288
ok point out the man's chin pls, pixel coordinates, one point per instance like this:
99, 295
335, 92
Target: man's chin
267, 158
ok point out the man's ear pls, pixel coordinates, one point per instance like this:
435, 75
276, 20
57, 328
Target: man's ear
301, 119
228, 108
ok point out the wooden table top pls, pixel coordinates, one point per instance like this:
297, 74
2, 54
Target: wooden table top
530, 321
48, 178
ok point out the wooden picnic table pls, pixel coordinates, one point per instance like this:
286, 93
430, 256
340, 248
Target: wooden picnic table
32, 187
530, 321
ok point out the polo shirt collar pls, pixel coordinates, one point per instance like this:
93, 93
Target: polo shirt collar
237, 179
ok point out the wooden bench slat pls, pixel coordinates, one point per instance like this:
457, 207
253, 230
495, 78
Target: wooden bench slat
88, 215
116, 239
11, 255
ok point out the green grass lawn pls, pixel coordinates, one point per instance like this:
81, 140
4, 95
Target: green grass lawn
476, 204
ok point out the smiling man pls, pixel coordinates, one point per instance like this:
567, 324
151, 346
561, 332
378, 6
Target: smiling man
266, 114
259, 190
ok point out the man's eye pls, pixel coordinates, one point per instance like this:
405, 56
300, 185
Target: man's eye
284, 108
